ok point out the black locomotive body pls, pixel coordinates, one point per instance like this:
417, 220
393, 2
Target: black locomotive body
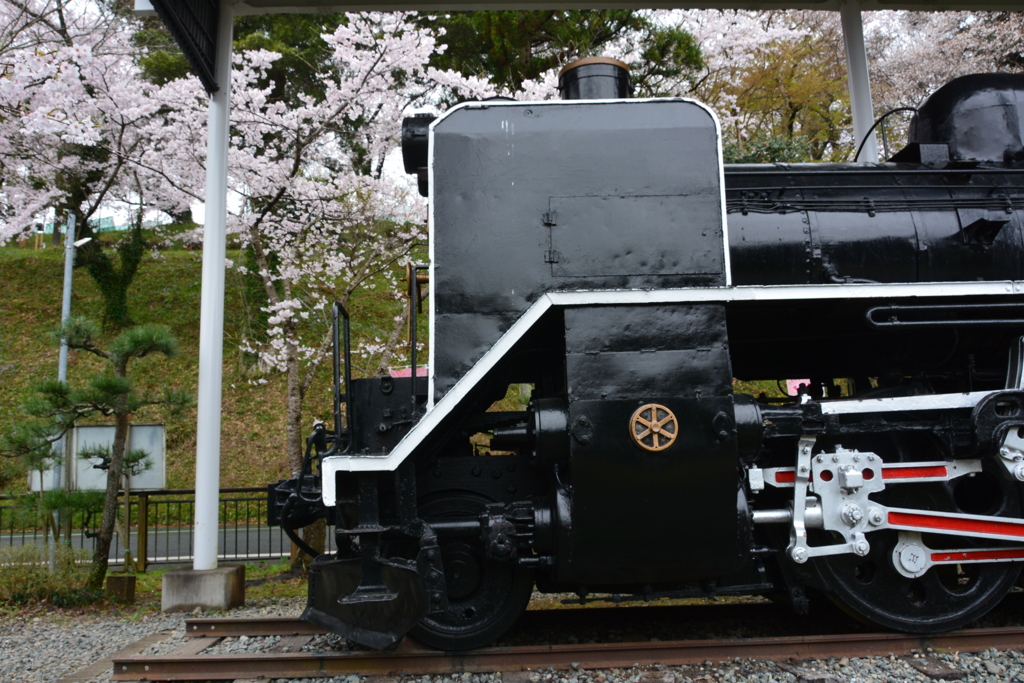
596, 255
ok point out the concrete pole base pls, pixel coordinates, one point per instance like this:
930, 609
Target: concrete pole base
211, 589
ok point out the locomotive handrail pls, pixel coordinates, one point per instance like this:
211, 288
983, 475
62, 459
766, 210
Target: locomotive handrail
745, 204
873, 315
882, 118
847, 168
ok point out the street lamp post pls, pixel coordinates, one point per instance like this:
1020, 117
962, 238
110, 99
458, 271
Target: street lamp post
62, 371
65, 310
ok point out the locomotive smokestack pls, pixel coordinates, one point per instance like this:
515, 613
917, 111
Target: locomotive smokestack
594, 78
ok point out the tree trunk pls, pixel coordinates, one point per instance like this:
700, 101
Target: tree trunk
115, 307
293, 428
106, 533
393, 340
181, 217
315, 533
113, 280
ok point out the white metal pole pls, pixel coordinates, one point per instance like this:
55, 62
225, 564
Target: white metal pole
858, 79
60, 482
65, 309
65, 315
211, 316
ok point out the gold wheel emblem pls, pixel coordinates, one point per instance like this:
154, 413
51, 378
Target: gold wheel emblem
653, 427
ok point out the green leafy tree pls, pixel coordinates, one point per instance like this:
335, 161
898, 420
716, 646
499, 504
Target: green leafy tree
797, 91
135, 462
114, 273
56, 406
305, 55
508, 48
298, 38
778, 83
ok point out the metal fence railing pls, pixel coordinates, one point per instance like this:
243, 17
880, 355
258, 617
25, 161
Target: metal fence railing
162, 527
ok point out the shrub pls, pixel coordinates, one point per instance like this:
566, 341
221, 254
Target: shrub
25, 575
763, 149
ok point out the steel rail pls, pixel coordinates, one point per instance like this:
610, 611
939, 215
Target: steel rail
233, 627
589, 656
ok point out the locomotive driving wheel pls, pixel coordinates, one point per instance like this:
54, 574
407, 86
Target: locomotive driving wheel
485, 596
946, 596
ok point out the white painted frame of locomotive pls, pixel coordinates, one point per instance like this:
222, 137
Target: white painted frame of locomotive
434, 415
729, 293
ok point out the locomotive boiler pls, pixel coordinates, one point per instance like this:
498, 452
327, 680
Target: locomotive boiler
595, 253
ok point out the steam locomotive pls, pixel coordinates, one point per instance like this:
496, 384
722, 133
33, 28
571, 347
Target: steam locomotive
596, 255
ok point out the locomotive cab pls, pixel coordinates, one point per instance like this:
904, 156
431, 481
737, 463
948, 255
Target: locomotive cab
598, 252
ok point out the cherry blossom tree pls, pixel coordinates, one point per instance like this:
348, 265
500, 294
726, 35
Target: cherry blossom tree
914, 53
76, 120
318, 215
776, 80
319, 218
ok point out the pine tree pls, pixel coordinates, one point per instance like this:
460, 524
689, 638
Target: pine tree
56, 406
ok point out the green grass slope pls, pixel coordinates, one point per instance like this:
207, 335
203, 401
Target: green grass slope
166, 291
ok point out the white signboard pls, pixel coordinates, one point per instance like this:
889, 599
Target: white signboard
49, 480
85, 477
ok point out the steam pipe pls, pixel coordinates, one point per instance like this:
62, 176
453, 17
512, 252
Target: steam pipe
813, 516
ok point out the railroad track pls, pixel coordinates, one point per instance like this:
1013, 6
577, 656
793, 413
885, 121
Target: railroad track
188, 663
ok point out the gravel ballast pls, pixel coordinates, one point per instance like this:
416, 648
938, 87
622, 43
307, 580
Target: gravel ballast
45, 647
38, 646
